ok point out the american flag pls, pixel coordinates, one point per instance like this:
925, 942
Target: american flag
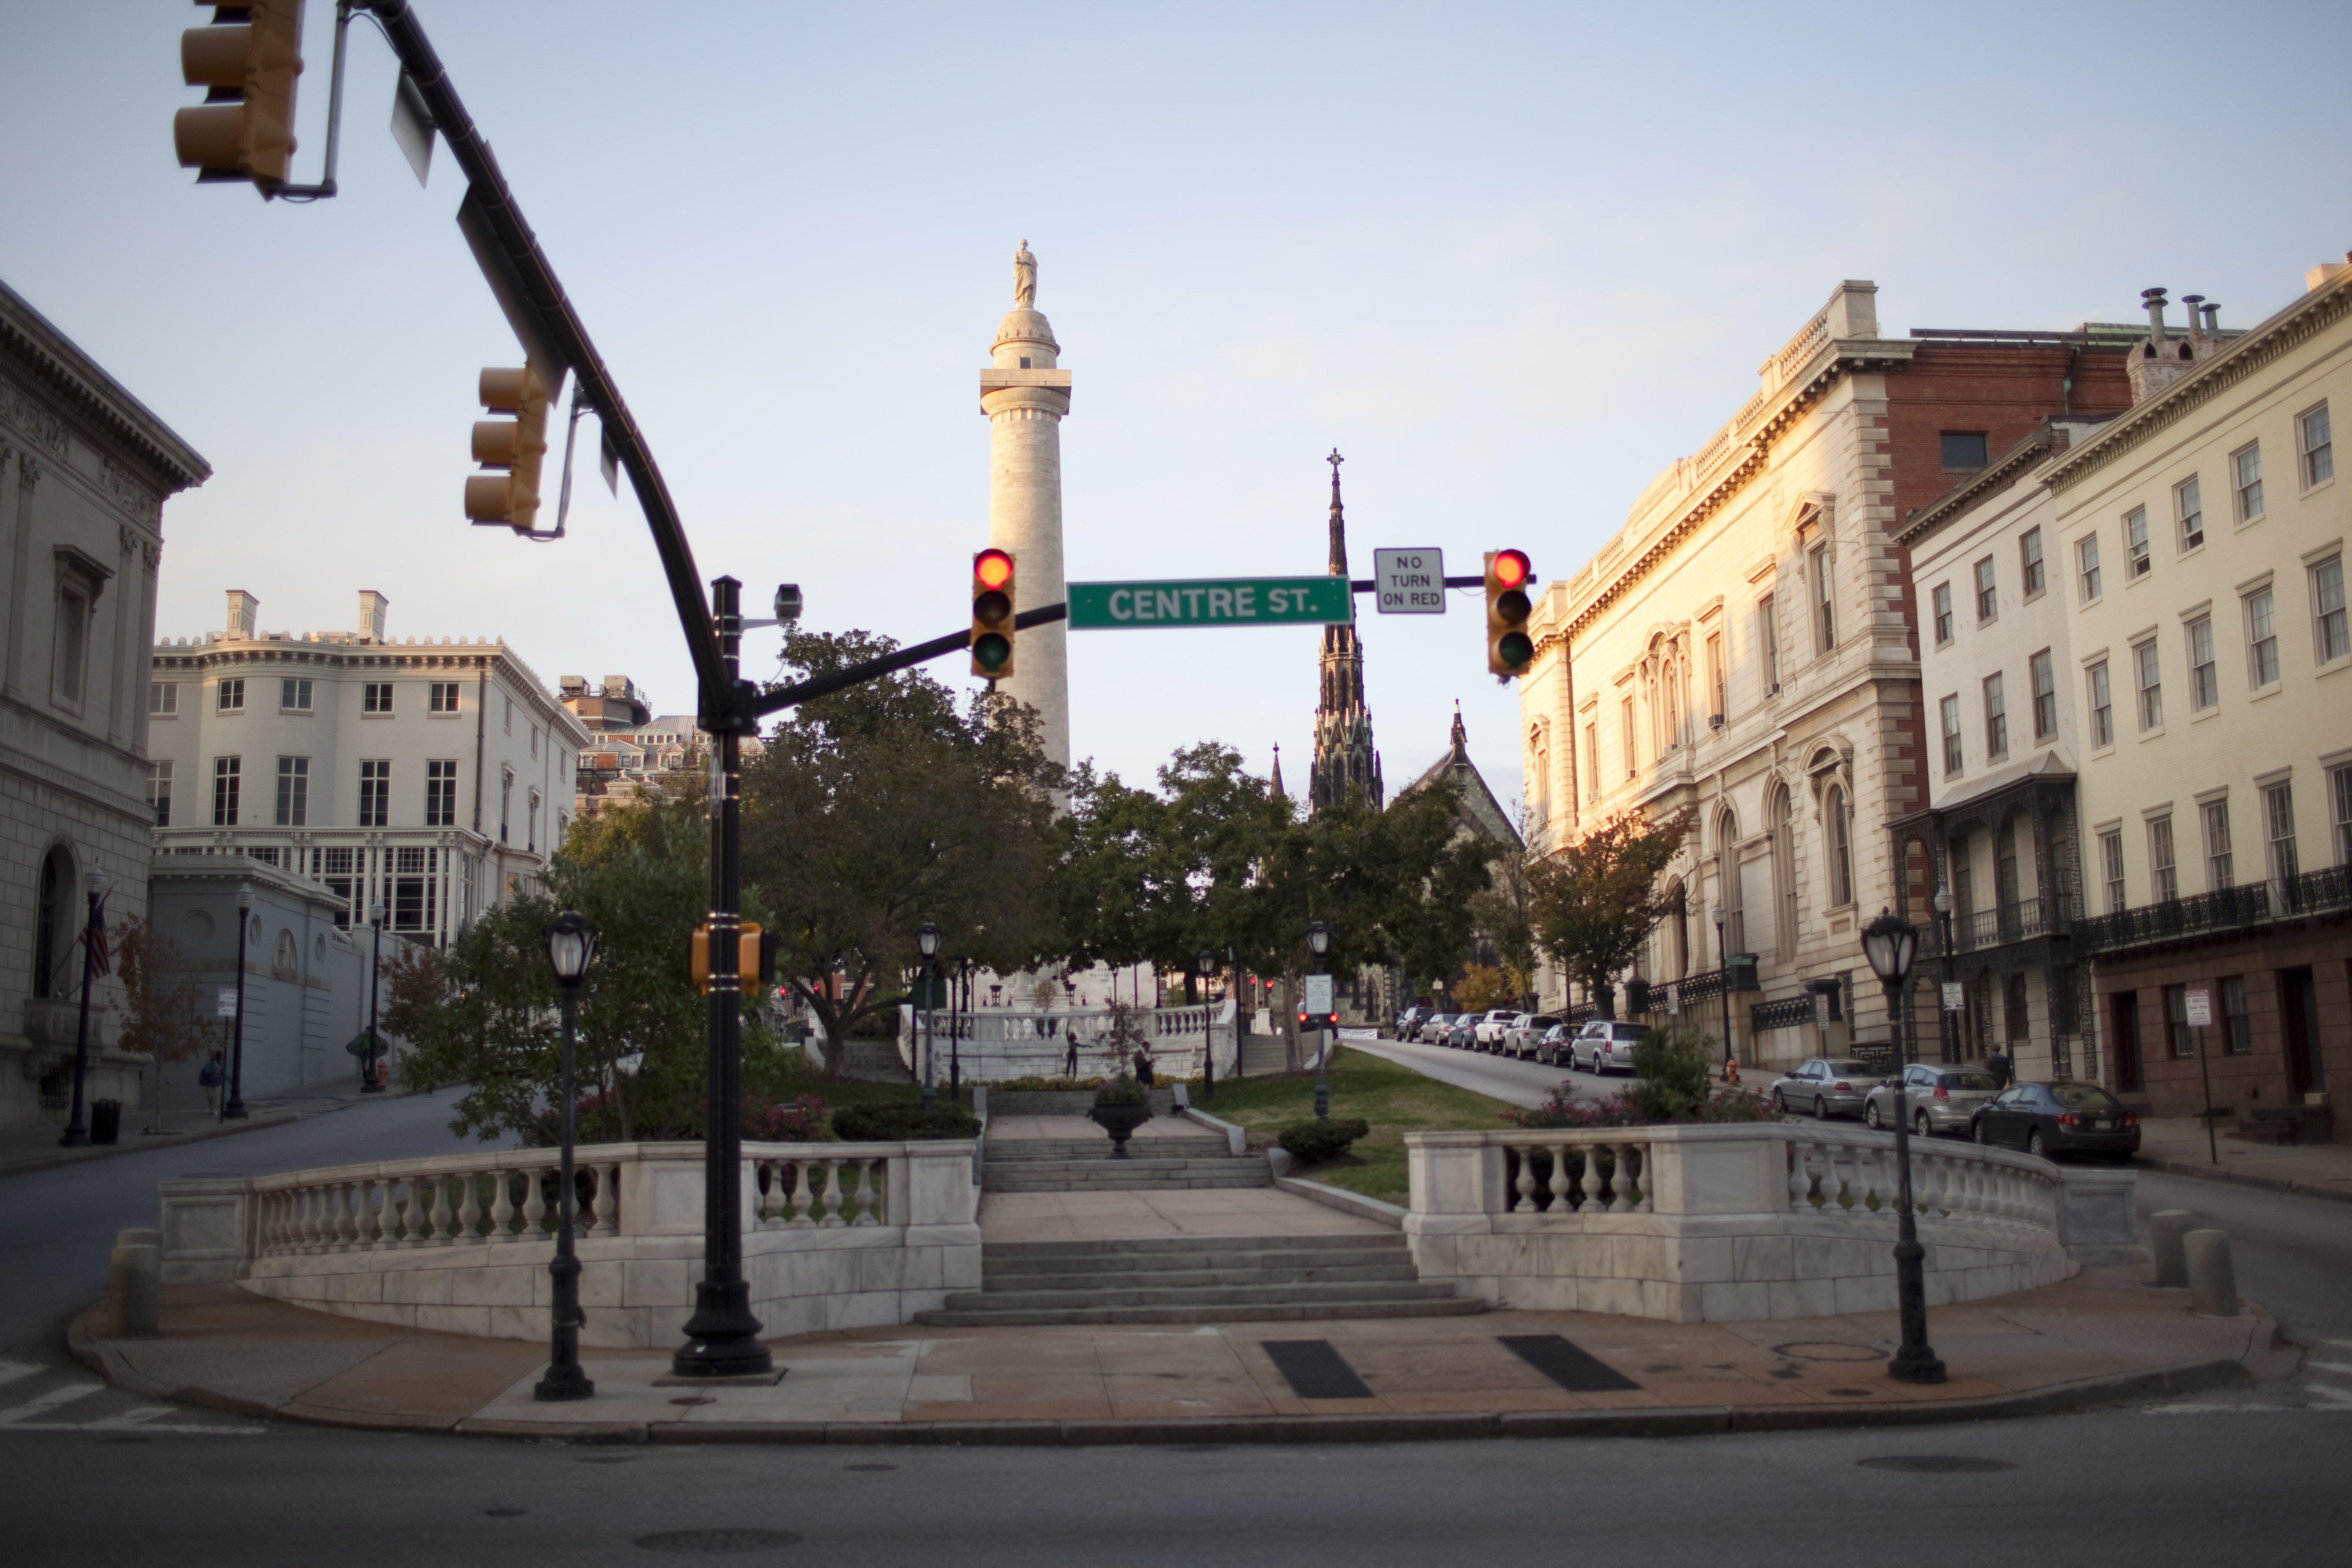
101, 960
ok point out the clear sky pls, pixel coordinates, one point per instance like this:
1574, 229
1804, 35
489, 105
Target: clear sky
1511, 260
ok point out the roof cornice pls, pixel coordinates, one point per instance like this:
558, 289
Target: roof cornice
28, 338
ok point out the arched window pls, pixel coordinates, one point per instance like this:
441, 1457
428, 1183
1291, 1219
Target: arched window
1781, 814
1840, 850
53, 927
1729, 891
1679, 933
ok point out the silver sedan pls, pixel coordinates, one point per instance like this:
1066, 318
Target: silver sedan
1827, 1085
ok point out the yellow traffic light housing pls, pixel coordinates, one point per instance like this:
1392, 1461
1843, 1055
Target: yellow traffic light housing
992, 614
755, 958
1509, 649
517, 446
251, 58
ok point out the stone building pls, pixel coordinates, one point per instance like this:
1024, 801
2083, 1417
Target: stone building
1344, 761
84, 470
613, 705
1744, 650
433, 776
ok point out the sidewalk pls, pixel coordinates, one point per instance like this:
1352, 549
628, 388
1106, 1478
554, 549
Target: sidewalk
35, 1148
2101, 1338
2177, 1146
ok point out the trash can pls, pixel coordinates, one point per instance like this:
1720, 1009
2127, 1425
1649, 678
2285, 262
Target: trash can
105, 1121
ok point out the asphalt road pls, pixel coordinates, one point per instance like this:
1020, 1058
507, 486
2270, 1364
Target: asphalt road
57, 1225
2292, 1254
1516, 1082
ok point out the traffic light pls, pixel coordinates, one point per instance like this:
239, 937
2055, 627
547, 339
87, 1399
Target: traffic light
755, 957
516, 445
1509, 649
992, 614
249, 57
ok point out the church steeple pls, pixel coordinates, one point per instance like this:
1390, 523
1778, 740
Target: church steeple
1345, 762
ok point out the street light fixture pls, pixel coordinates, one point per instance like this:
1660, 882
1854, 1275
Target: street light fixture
1889, 943
1947, 1019
1318, 942
368, 1083
233, 1110
1208, 961
77, 1132
571, 947
927, 942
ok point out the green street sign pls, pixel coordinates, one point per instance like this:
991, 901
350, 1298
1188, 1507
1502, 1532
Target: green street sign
1212, 601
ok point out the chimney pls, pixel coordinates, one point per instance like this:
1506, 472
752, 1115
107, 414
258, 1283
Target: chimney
2326, 272
372, 608
2154, 301
2196, 324
2157, 362
2212, 318
242, 609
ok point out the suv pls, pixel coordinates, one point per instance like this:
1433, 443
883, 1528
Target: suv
1606, 1045
1487, 1035
1520, 1039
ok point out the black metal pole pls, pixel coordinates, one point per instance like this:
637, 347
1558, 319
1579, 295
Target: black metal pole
2205, 1071
956, 1016
77, 1131
369, 1083
1947, 1025
233, 1110
1723, 966
1209, 1043
1913, 1360
564, 1378
931, 1068
722, 1337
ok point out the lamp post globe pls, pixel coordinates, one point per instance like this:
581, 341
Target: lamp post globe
571, 947
1318, 938
1890, 942
927, 940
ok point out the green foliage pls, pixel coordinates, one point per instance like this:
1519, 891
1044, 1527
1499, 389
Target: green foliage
900, 1123
1120, 1090
1562, 1112
1591, 904
1395, 1099
160, 1016
1035, 1083
1313, 1142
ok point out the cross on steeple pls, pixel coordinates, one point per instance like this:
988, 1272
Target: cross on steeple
1335, 460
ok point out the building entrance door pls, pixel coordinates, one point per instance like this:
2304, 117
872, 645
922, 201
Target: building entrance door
2122, 1007
2299, 1022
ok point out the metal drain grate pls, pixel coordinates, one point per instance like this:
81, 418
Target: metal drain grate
1566, 1365
1316, 1371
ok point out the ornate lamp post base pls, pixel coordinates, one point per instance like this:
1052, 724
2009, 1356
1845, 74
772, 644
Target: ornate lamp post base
722, 1339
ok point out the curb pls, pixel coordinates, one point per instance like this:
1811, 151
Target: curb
171, 1140
2239, 1178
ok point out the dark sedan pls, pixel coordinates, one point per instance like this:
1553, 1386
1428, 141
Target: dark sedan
2058, 1116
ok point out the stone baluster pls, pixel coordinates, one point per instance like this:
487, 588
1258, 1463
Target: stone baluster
831, 1195
503, 1207
387, 1215
407, 1210
1649, 1204
605, 1200
866, 1171
354, 1215
1801, 1176
534, 1201
1593, 1201
1558, 1186
772, 1195
1523, 1187
1620, 1179
469, 1208
311, 1202
267, 1222
444, 1223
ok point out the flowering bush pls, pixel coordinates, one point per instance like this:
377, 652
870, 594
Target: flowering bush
801, 1120
1564, 1111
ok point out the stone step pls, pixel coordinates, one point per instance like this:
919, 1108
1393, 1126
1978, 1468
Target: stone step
1341, 1241
1201, 1183
1276, 1313
1132, 1163
993, 1281
1140, 1149
1199, 1295
1332, 1261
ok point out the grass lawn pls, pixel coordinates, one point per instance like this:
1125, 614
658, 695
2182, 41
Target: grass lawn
1395, 1100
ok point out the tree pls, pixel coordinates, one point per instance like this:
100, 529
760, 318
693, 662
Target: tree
1483, 986
883, 805
1504, 918
1592, 903
161, 1014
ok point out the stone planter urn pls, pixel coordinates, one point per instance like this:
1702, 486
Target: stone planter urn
1120, 1118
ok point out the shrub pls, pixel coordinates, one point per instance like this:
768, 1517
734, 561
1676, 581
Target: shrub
1313, 1142
1563, 1112
1670, 1075
1034, 1082
801, 1120
893, 1122
1120, 1090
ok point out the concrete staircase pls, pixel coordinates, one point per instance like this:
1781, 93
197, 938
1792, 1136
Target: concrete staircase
1198, 1279
1084, 1165
1263, 1053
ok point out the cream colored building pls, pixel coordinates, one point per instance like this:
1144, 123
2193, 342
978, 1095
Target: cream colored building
2198, 545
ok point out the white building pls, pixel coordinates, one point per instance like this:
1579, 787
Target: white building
434, 777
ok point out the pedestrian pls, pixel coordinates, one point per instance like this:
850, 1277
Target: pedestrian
212, 1077
1997, 1063
1143, 1069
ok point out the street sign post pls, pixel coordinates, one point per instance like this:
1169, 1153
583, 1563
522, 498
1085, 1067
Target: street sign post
224, 1005
1318, 995
1956, 997
2200, 1008
1409, 581
2200, 1000
1212, 601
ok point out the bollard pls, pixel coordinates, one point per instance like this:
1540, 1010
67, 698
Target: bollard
2166, 1228
134, 1287
138, 1235
2212, 1280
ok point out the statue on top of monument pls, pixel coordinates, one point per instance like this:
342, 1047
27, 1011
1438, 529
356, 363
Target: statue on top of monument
1024, 278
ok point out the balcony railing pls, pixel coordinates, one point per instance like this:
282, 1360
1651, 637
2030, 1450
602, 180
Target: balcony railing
2023, 921
2222, 910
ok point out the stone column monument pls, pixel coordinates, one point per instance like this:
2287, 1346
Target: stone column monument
1024, 396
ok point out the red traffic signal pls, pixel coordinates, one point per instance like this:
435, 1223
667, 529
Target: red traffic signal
1509, 647
992, 614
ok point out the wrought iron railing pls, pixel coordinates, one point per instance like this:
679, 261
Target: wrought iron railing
2024, 920
1785, 1014
2223, 909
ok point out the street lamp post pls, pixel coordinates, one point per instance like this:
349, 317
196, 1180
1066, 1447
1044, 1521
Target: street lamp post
1318, 942
77, 1132
1208, 960
928, 941
959, 1015
1722, 963
368, 1083
570, 944
1944, 1015
1889, 943
234, 1110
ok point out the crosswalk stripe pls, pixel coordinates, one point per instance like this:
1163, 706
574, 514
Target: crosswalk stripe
2333, 1395
2331, 1366
41, 1403
10, 1371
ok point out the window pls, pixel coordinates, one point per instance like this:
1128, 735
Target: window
534, 739
232, 696
2045, 694
2204, 682
2016, 1012
226, 772
2278, 818
2319, 450
1717, 694
2339, 789
2103, 710
1781, 813
1952, 754
2237, 1024
293, 791
75, 599
164, 697
1841, 852
1630, 763
2262, 639
1996, 718
159, 790
53, 924
532, 823
441, 794
2111, 867
2246, 469
2189, 507
506, 802
1592, 760
2178, 1043
2151, 687
375, 793
2028, 551
2086, 559
1943, 602
1988, 600
2329, 635
1964, 449
1767, 640
293, 696
376, 696
2135, 561
2218, 863
441, 697
2164, 880
1824, 607
509, 720
416, 886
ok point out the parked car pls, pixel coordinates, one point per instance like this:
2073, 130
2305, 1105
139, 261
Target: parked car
1487, 1035
1938, 1099
1553, 1048
1411, 1020
1827, 1085
1605, 1046
2058, 1116
1520, 1039
1463, 1032
1430, 1031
